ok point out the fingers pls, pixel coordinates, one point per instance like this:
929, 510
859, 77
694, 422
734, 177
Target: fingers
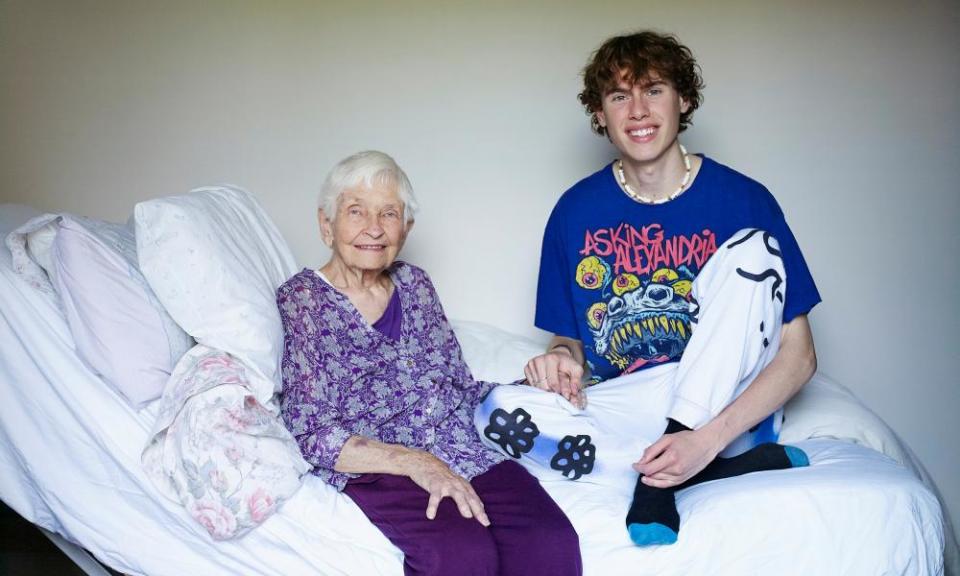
463, 504
658, 465
661, 481
579, 395
558, 373
530, 375
572, 390
581, 399
571, 378
541, 372
565, 386
656, 458
470, 505
432, 504
464, 497
536, 372
654, 450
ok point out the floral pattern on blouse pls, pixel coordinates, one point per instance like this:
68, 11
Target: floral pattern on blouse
341, 377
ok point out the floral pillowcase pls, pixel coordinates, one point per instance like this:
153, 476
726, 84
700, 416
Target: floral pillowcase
215, 449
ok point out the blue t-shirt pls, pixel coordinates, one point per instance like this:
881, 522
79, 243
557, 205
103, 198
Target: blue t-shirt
600, 245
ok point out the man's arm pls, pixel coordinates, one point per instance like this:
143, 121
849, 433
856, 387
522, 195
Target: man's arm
675, 458
559, 370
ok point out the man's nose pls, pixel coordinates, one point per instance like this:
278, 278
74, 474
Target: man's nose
638, 107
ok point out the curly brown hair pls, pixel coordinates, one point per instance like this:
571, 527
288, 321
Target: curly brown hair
634, 58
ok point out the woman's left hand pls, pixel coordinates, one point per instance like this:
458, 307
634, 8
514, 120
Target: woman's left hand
557, 371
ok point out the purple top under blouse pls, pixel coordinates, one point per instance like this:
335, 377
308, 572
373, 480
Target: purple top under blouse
389, 322
341, 377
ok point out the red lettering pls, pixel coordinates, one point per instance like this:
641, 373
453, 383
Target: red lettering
641, 251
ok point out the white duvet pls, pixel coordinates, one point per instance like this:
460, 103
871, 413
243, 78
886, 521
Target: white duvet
70, 462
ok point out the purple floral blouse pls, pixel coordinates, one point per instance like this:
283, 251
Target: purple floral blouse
341, 377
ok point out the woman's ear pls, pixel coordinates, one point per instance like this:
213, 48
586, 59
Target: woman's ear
326, 228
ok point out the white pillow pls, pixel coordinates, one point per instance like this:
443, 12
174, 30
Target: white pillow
120, 328
215, 260
826, 409
494, 355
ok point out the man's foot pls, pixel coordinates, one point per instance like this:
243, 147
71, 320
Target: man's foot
653, 518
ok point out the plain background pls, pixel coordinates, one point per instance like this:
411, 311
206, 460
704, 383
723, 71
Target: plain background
847, 111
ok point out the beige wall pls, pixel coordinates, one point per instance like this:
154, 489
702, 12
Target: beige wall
847, 111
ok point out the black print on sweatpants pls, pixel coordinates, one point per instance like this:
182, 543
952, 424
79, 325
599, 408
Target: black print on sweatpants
766, 242
574, 457
513, 432
770, 273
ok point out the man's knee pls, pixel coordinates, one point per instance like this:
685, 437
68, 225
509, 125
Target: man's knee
502, 403
502, 421
754, 245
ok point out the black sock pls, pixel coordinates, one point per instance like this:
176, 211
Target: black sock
673, 427
763, 457
653, 517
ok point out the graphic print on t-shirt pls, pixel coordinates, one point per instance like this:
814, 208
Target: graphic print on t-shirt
636, 283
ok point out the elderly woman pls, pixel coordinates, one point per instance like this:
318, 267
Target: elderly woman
378, 396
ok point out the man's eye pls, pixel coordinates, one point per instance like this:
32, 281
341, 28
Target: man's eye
655, 91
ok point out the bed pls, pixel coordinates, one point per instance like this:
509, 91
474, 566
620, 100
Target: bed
70, 462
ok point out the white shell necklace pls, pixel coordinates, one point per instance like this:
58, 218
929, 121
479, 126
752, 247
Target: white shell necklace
643, 199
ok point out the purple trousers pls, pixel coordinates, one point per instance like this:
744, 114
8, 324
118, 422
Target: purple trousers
528, 533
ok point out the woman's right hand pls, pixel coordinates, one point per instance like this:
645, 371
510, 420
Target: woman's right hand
429, 473
557, 371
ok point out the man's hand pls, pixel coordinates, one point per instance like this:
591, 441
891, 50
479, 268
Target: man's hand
675, 458
440, 482
558, 371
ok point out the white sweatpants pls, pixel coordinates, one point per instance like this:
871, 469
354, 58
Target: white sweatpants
737, 311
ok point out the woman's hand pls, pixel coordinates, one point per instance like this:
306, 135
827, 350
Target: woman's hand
429, 473
558, 371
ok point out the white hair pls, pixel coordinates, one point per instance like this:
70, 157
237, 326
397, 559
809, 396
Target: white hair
366, 168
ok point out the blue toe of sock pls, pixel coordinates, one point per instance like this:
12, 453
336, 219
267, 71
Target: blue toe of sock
798, 458
651, 534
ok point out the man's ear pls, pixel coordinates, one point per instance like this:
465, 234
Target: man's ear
684, 105
326, 227
601, 118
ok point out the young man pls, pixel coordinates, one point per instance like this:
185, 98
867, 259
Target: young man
674, 283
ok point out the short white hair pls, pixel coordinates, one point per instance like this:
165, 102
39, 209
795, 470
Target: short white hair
367, 168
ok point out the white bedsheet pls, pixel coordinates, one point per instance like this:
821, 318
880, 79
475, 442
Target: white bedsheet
70, 462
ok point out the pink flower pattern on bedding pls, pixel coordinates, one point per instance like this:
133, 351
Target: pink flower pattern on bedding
215, 449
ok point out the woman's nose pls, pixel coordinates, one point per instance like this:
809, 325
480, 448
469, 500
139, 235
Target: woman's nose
374, 229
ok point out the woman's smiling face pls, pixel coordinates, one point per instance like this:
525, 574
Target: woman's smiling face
369, 228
